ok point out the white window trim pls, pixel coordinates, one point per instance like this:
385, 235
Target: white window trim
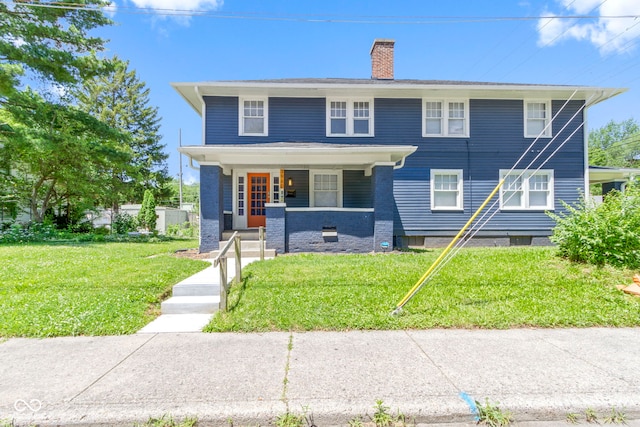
445, 118
312, 172
460, 200
547, 127
350, 118
524, 206
265, 101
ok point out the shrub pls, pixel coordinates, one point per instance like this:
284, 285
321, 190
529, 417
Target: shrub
34, 232
605, 234
123, 223
182, 230
147, 214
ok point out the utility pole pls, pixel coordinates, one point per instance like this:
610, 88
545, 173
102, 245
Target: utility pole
180, 154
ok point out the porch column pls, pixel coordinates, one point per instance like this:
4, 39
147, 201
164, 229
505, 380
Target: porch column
211, 208
382, 180
276, 236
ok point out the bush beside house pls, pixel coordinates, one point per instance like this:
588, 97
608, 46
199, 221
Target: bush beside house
608, 233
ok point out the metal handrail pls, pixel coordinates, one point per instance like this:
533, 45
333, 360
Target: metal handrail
221, 260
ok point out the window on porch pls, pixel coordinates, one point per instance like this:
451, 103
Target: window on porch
326, 189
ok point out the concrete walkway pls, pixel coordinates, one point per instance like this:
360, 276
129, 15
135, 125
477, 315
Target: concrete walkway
208, 278
250, 379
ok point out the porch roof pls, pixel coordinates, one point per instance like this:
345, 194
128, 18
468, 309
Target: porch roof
298, 154
598, 174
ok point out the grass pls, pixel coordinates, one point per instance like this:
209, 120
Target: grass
168, 421
492, 415
66, 289
481, 287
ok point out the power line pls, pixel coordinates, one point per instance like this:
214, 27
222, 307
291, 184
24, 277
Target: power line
528, 58
523, 43
342, 19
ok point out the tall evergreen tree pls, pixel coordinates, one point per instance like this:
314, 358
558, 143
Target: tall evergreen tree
147, 213
50, 43
53, 151
121, 100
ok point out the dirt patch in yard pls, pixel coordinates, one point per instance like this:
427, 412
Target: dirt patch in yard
192, 254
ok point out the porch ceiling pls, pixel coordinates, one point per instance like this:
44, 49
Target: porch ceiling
598, 174
288, 154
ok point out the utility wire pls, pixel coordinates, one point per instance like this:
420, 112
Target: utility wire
375, 20
480, 223
549, 43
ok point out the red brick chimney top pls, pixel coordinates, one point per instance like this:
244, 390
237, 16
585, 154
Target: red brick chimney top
382, 59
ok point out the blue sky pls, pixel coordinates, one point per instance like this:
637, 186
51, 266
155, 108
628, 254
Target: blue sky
261, 39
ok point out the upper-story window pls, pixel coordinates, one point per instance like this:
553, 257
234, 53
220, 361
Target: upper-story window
349, 117
536, 119
442, 117
253, 116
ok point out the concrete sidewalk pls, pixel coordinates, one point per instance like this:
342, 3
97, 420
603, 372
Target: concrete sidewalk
250, 379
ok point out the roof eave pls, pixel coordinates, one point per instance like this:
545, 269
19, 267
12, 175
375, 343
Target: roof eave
194, 92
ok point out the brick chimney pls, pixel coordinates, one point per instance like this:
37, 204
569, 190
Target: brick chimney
382, 59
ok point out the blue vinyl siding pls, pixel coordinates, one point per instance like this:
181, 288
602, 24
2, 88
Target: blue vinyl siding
300, 185
227, 188
356, 190
496, 141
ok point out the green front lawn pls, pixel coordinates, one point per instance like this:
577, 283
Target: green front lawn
51, 289
481, 287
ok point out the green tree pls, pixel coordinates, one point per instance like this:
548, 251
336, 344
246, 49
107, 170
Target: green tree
615, 144
54, 152
121, 100
190, 194
58, 154
49, 43
147, 214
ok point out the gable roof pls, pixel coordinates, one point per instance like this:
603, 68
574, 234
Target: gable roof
194, 92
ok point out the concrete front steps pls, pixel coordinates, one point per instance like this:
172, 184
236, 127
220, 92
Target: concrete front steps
194, 301
198, 294
248, 249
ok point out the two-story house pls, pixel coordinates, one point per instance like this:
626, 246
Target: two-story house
344, 165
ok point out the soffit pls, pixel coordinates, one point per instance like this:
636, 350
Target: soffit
301, 155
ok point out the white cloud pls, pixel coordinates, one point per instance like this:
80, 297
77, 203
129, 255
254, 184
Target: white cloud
609, 35
111, 9
178, 9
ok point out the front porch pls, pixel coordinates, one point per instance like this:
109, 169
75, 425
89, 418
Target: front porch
310, 197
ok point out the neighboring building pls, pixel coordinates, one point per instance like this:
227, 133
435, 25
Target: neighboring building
348, 164
166, 216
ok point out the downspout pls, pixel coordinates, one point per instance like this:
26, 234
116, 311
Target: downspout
401, 165
191, 165
203, 113
587, 180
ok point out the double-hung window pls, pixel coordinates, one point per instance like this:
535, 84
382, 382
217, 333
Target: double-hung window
253, 116
441, 117
527, 190
326, 189
348, 117
446, 189
537, 115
